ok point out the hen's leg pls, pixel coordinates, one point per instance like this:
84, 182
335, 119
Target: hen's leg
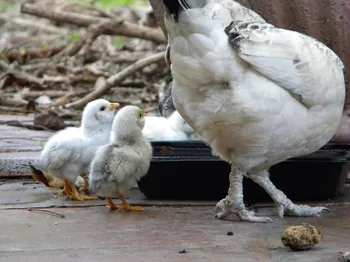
126, 206
284, 205
233, 203
76, 196
110, 205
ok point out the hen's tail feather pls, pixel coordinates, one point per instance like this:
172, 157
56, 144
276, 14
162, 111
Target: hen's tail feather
184, 4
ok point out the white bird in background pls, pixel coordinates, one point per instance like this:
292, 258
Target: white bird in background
256, 93
68, 153
167, 109
173, 128
118, 165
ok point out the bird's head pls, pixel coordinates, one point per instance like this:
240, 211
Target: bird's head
175, 7
128, 124
98, 114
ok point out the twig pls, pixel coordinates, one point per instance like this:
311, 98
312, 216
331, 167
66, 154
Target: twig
24, 55
8, 109
52, 94
46, 211
124, 28
93, 32
20, 138
27, 23
115, 79
21, 75
7, 101
29, 126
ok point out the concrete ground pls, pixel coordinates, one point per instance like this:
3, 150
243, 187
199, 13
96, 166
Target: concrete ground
36, 225
89, 232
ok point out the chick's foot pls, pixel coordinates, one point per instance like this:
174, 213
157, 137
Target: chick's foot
126, 206
110, 205
76, 196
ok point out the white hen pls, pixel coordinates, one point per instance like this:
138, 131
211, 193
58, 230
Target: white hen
117, 166
69, 152
256, 93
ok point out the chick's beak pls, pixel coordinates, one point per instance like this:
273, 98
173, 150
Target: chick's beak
143, 113
114, 106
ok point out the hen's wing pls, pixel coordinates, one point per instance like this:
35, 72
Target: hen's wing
300, 64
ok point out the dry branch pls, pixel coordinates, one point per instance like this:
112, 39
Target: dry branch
101, 89
93, 32
122, 28
21, 75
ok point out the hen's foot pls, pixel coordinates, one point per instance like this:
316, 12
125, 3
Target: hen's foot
126, 206
233, 203
284, 205
76, 196
288, 208
226, 207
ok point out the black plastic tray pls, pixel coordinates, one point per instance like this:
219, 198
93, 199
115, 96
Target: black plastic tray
186, 170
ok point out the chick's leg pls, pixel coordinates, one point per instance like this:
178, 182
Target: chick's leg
110, 205
85, 187
284, 205
66, 189
76, 196
126, 206
233, 203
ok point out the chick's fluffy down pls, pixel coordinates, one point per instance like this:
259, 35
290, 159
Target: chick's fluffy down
117, 168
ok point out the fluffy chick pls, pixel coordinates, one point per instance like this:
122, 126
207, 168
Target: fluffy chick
117, 166
69, 152
159, 128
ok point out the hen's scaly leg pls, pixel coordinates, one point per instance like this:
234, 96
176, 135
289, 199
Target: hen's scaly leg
284, 205
126, 206
110, 205
85, 187
233, 203
76, 196
66, 189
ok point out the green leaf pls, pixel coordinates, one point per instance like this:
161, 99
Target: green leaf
75, 38
45, 46
119, 42
41, 144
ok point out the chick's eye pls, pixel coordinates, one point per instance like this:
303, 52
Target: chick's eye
102, 108
140, 114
